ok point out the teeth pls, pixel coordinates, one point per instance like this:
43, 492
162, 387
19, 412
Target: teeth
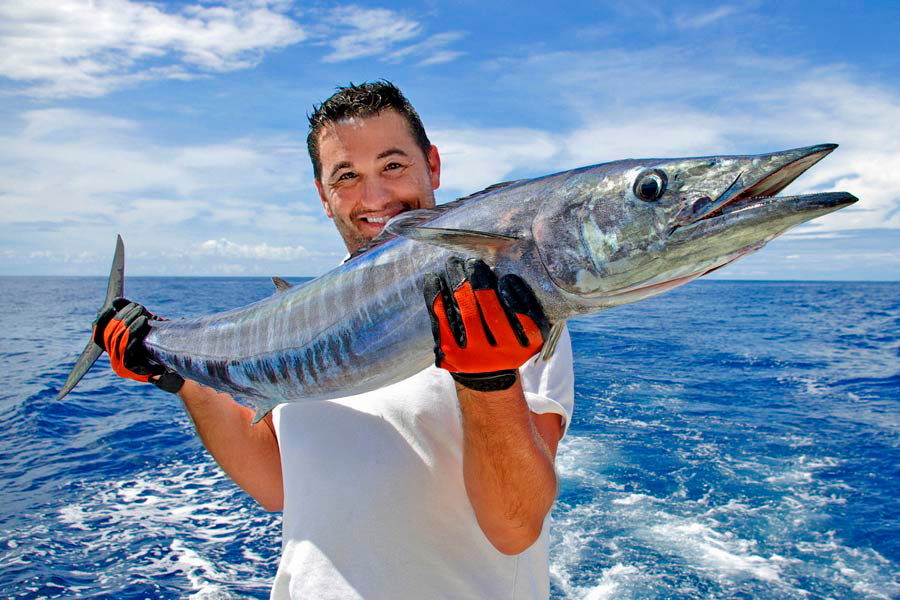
377, 219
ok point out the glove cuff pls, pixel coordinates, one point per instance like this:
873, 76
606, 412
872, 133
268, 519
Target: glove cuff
169, 381
487, 382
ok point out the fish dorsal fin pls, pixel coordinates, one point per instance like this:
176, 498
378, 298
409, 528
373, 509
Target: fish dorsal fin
491, 188
281, 285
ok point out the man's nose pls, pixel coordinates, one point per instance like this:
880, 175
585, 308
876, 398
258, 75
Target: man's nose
375, 194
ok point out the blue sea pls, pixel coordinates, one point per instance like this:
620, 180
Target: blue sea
730, 440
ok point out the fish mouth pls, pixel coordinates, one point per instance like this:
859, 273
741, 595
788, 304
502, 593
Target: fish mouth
752, 198
764, 190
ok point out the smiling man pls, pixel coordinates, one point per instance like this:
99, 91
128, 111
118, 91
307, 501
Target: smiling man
369, 170
438, 486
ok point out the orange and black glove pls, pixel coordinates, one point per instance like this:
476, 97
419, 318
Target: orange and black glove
120, 330
484, 329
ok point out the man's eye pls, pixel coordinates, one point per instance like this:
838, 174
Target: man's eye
347, 175
391, 166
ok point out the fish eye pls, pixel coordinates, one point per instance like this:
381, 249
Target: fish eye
650, 185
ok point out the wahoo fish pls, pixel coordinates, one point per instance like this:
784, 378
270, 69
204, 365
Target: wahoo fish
585, 240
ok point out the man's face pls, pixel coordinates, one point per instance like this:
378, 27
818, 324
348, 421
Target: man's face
372, 170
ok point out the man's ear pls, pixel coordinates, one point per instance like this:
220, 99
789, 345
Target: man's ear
434, 165
325, 204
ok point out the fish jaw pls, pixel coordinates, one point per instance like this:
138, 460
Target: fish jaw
760, 219
755, 178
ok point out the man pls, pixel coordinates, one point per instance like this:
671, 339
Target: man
437, 486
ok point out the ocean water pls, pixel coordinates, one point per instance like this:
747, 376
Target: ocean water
730, 440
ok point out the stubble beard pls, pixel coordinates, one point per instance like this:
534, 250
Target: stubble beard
353, 238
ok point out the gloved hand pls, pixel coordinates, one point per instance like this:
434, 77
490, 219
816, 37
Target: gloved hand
484, 329
120, 330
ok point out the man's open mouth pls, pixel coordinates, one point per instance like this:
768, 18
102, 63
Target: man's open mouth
385, 214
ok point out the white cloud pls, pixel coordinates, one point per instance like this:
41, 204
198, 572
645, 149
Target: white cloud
354, 32
371, 32
473, 159
648, 133
68, 162
698, 21
71, 48
225, 248
432, 48
59, 48
71, 180
440, 57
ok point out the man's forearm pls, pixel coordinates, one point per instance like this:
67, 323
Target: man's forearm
507, 465
247, 453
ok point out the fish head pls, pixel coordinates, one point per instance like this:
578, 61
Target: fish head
633, 229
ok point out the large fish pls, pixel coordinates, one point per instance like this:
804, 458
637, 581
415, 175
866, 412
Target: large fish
586, 240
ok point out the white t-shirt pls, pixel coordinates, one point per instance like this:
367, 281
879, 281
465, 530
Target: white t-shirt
375, 504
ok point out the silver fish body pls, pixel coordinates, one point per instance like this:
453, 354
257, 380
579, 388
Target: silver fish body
585, 240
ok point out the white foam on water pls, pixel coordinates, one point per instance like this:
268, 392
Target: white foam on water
612, 582
863, 570
74, 516
583, 459
612, 539
631, 499
177, 519
577, 531
201, 572
718, 553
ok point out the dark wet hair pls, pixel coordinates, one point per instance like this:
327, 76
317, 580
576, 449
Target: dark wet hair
367, 99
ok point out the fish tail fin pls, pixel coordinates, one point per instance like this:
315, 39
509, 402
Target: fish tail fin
114, 289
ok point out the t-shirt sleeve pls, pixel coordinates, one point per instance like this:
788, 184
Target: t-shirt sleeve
550, 385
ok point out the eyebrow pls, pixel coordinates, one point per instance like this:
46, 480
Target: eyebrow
390, 152
341, 165
348, 165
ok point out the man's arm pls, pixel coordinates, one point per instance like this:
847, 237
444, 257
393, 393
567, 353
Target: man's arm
484, 328
508, 457
247, 453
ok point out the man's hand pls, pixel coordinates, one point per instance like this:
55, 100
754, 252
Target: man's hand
484, 329
120, 330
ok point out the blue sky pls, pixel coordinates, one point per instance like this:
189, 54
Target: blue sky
182, 125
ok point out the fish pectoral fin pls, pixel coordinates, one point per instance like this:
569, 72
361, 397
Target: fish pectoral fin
468, 241
260, 414
550, 343
281, 285
412, 225
261, 407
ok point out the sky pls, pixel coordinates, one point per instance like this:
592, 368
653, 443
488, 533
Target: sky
182, 125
